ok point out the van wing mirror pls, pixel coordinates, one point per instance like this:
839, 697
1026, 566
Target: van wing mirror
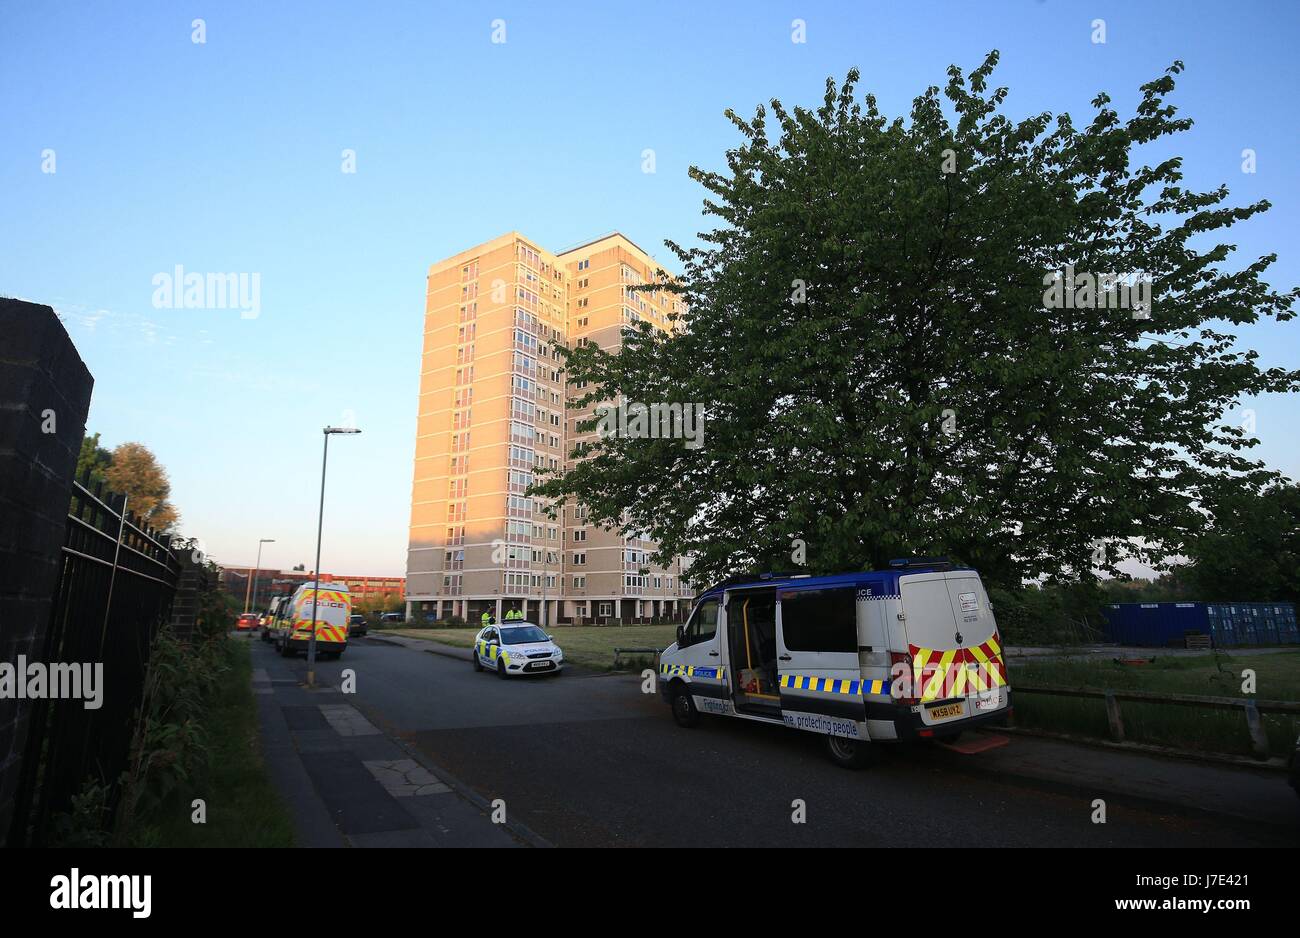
681, 633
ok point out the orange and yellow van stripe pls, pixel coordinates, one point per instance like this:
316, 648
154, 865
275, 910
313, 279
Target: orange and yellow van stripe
324, 631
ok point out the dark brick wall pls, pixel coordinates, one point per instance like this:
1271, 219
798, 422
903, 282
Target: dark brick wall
195, 581
40, 371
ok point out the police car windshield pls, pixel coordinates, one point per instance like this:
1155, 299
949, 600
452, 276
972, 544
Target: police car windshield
522, 635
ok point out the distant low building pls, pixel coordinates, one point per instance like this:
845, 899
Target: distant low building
234, 580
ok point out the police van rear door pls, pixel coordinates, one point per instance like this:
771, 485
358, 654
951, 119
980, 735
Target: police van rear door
949, 628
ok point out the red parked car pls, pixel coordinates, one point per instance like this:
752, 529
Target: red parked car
247, 621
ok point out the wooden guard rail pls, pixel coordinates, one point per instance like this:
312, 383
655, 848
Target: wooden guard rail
1249, 706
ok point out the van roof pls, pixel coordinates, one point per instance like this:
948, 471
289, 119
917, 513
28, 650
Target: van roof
887, 580
325, 586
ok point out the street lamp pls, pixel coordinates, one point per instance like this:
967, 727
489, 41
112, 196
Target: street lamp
252, 583
320, 522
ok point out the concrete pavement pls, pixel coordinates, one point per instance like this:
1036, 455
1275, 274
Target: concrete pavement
349, 784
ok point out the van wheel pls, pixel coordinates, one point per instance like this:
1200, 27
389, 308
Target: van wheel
850, 753
286, 651
684, 710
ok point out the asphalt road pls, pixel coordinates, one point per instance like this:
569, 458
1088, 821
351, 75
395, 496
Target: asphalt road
589, 760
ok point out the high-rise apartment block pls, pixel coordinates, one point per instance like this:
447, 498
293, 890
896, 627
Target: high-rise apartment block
492, 411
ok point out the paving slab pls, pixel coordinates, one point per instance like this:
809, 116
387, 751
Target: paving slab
357, 803
405, 778
347, 720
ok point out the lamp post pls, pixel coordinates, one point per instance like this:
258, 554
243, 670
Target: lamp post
320, 522
252, 583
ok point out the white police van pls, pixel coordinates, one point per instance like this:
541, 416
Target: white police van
516, 648
906, 653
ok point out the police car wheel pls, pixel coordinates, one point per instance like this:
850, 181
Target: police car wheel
478, 665
684, 710
501, 670
849, 753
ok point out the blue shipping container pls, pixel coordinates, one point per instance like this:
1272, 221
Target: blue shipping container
1165, 625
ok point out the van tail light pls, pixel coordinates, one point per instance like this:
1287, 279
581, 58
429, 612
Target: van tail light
901, 657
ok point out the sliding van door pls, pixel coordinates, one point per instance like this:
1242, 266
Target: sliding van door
751, 651
817, 653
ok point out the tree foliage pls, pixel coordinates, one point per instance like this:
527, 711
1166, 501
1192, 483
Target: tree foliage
1249, 550
136, 473
93, 458
869, 337
1063, 613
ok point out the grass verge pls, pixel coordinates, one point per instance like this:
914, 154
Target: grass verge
1277, 677
243, 808
586, 646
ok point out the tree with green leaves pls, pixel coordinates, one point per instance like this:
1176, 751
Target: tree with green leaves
1249, 548
872, 334
93, 458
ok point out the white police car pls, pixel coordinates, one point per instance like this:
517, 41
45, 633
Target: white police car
511, 648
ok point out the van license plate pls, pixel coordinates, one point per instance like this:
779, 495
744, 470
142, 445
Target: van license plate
944, 711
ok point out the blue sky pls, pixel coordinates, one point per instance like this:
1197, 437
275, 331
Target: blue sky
226, 156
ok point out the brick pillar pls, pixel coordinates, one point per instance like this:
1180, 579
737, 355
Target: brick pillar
191, 586
44, 396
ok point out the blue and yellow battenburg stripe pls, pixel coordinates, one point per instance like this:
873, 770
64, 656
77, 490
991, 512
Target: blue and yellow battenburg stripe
830, 685
492, 651
690, 670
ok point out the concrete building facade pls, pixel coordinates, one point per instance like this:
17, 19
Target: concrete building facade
493, 410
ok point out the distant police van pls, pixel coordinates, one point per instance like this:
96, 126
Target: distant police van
331, 606
905, 653
272, 611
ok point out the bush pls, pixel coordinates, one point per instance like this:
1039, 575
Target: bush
87, 824
1061, 614
170, 745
